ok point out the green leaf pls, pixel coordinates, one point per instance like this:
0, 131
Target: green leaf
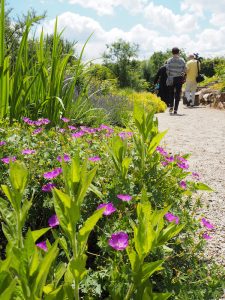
18, 176
64, 198
77, 267
7, 286
36, 234
150, 268
169, 232
87, 228
203, 187
155, 141
44, 269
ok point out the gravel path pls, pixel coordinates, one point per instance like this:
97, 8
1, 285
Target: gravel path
200, 131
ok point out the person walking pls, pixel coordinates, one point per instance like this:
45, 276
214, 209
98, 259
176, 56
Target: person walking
191, 85
175, 69
160, 79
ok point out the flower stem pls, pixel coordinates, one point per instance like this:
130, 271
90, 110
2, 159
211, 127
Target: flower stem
129, 292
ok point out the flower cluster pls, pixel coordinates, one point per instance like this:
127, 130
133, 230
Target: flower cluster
52, 174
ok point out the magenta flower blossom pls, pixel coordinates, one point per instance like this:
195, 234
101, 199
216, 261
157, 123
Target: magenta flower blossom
65, 120
66, 157
164, 163
2, 143
54, 173
88, 129
181, 159
53, 221
94, 158
78, 134
161, 151
207, 224
206, 236
124, 197
195, 175
109, 208
38, 130
183, 165
183, 184
169, 158
172, 218
71, 127
125, 134
28, 151
48, 187
6, 160
119, 241
62, 130
42, 245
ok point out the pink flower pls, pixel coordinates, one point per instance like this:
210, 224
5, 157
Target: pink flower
78, 134
71, 127
183, 165
119, 241
6, 160
172, 218
124, 197
48, 187
28, 151
54, 173
94, 158
169, 158
109, 208
183, 184
53, 221
62, 130
65, 120
36, 131
164, 163
66, 157
125, 134
161, 151
195, 175
206, 236
207, 224
2, 143
42, 245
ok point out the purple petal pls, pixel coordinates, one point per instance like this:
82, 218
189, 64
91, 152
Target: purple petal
172, 218
42, 245
109, 208
206, 236
94, 158
6, 160
48, 187
54, 173
53, 221
28, 151
124, 197
119, 241
207, 224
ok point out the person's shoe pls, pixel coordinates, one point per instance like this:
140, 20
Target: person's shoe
188, 103
170, 110
175, 112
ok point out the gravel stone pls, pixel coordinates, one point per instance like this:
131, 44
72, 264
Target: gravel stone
200, 131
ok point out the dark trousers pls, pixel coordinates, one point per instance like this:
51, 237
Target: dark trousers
174, 92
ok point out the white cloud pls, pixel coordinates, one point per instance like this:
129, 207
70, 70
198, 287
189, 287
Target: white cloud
161, 17
218, 19
107, 7
198, 7
78, 28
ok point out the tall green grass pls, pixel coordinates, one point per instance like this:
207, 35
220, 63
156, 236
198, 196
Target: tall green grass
38, 83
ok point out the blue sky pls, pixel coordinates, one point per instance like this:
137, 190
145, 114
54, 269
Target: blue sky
195, 26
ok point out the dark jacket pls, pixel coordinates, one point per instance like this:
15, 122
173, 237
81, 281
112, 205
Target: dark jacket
160, 78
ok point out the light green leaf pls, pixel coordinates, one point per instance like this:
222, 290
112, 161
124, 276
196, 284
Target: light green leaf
150, 268
18, 176
203, 187
36, 234
87, 228
155, 141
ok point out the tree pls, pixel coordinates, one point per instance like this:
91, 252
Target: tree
120, 57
